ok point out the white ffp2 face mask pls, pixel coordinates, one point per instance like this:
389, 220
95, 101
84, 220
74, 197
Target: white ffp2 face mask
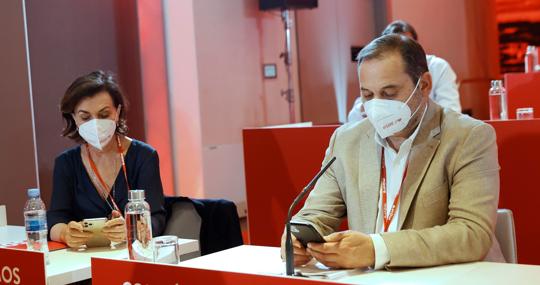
98, 132
389, 117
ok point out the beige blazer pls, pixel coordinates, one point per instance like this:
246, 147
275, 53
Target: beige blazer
449, 202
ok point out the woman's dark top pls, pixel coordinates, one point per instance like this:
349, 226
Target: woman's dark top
75, 197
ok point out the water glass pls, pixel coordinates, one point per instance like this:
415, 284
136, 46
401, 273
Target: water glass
166, 250
525, 113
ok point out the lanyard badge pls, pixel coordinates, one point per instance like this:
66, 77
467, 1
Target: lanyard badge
387, 219
104, 185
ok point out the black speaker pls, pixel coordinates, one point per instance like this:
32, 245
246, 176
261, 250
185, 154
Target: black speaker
265, 5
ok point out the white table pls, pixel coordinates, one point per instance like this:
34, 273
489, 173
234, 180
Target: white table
68, 266
267, 261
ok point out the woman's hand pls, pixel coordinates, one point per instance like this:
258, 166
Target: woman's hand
74, 236
115, 228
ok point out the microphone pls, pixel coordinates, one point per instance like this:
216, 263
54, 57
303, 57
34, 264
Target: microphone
289, 254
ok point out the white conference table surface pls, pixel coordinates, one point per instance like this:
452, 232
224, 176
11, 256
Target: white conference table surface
267, 261
68, 266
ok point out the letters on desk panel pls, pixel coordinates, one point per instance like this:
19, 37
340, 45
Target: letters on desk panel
21, 267
125, 272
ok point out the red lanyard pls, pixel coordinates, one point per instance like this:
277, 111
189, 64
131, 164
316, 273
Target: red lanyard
388, 219
121, 151
102, 182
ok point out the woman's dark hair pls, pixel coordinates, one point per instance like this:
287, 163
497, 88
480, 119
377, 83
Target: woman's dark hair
88, 86
411, 52
400, 27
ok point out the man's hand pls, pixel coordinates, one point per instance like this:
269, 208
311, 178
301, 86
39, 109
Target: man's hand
301, 256
348, 249
74, 236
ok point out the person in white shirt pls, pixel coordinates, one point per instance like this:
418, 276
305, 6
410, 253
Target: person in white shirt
444, 90
418, 184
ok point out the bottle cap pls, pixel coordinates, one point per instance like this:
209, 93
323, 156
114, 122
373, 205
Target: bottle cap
33, 193
496, 83
136, 195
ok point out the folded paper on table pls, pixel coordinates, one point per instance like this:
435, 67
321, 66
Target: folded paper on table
315, 269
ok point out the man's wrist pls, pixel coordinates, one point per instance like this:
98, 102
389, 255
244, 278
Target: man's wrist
382, 256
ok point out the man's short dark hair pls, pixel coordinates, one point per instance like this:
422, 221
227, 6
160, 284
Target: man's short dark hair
411, 52
400, 27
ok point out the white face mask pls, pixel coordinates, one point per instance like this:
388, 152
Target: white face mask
98, 132
389, 117
361, 111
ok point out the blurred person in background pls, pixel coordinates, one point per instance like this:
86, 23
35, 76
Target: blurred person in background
444, 91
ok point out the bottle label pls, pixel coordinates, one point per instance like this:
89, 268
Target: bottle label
35, 224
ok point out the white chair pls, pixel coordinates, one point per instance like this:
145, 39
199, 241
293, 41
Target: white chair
3, 216
505, 233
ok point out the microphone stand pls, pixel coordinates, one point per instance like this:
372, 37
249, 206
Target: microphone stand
289, 253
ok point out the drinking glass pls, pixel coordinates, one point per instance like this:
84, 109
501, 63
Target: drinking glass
166, 250
525, 113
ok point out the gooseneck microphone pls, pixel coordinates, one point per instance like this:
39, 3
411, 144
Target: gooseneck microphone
289, 254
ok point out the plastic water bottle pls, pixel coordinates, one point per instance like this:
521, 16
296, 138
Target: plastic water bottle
139, 227
35, 220
531, 59
498, 108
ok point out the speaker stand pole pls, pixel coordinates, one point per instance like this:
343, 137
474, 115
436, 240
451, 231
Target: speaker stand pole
287, 57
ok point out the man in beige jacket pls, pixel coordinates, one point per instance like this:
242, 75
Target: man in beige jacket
418, 184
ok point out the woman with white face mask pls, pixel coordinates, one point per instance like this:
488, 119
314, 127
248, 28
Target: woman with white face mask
92, 179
